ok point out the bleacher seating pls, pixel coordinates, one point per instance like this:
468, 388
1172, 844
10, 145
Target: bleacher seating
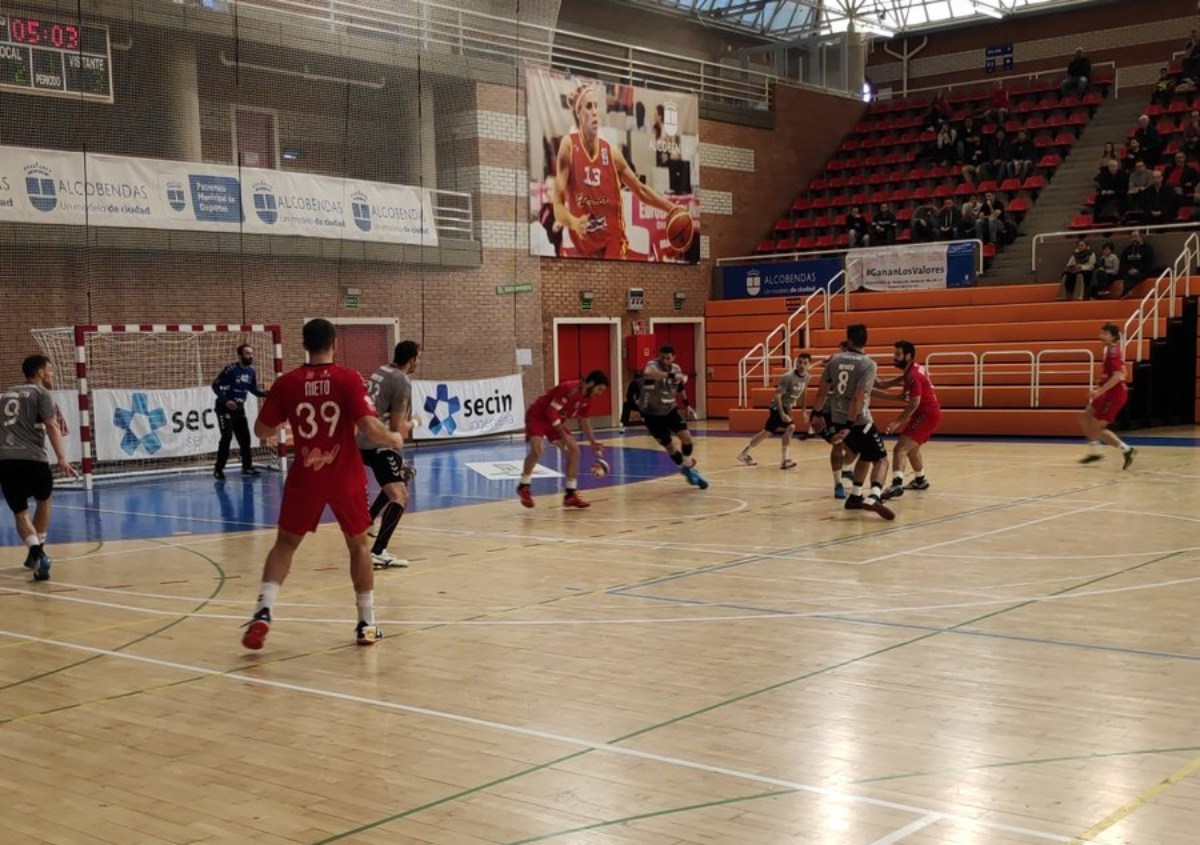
880, 162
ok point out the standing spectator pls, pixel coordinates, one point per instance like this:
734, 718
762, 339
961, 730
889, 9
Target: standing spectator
970, 216
924, 222
989, 226
1158, 202
1111, 187
1148, 139
1139, 180
857, 229
1079, 72
632, 394
1191, 135
1181, 177
948, 220
939, 111
1191, 56
1137, 263
970, 150
1020, 161
1108, 270
232, 386
883, 226
1077, 275
998, 106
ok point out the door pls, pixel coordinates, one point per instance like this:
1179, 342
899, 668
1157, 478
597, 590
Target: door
363, 347
254, 138
583, 347
683, 337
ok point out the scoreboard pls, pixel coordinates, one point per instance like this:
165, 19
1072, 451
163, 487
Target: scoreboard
56, 59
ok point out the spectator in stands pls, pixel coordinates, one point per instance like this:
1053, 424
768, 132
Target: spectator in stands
1133, 154
1158, 201
1020, 161
924, 222
1191, 56
1108, 270
989, 226
998, 105
1164, 88
939, 111
948, 220
1149, 139
970, 150
996, 152
883, 226
1137, 263
1111, 187
1139, 180
1191, 135
857, 228
945, 145
970, 216
1181, 177
1110, 152
1079, 72
1077, 275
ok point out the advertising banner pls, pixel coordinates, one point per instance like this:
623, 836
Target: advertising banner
914, 267
614, 170
68, 188
785, 278
137, 424
457, 409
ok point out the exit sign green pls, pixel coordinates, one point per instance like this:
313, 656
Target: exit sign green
523, 287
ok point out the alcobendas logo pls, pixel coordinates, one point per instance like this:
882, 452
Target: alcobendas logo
39, 186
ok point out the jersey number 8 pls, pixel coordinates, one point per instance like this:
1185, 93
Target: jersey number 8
843, 379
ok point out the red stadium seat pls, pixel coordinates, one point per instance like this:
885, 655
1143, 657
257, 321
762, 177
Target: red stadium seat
989, 251
1080, 221
785, 245
1010, 186
1034, 183
824, 242
1050, 161
920, 193
804, 243
842, 241
904, 214
905, 236
965, 189
943, 191
987, 185
783, 225
1020, 205
899, 195
879, 196
765, 245
802, 204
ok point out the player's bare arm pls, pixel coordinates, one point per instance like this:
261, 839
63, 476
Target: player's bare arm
60, 451
562, 183
910, 408
630, 180
371, 428
585, 427
783, 414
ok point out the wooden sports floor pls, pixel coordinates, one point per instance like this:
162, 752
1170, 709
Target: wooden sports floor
1015, 659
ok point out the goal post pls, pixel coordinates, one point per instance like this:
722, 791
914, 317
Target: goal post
142, 393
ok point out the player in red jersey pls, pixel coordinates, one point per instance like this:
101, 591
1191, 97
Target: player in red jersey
918, 421
1106, 401
325, 405
588, 177
546, 419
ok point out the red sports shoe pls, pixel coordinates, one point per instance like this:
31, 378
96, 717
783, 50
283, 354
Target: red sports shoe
573, 500
525, 495
256, 633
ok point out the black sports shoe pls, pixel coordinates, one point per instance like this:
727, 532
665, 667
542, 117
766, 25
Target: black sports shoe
219, 474
1129, 457
876, 506
250, 471
41, 570
919, 483
1091, 458
365, 634
894, 492
854, 503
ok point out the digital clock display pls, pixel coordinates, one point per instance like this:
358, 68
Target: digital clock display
55, 58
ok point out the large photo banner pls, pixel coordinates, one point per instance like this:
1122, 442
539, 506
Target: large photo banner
915, 267
67, 188
133, 425
614, 170
457, 409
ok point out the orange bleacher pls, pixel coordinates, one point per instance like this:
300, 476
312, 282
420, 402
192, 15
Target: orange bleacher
1007, 324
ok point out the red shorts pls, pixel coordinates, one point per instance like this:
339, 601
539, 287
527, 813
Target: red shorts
539, 426
921, 427
1107, 406
305, 498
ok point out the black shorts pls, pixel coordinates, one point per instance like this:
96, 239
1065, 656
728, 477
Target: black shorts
21, 480
387, 464
661, 428
864, 441
826, 433
775, 423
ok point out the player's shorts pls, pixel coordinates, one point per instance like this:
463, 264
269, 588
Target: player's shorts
1107, 406
23, 480
663, 426
775, 423
386, 464
863, 441
305, 497
921, 427
539, 426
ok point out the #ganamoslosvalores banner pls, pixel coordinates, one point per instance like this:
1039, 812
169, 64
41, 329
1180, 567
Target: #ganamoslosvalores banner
614, 170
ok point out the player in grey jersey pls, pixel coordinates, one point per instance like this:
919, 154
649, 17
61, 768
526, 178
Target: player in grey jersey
789, 394
391, 392
661, 380
27, 416
847, 382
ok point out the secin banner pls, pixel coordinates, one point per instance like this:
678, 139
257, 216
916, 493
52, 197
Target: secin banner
614, 170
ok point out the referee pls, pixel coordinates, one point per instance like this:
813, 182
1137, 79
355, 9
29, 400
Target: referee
232, 386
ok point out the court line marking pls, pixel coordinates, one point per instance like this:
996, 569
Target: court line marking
909, 829
1140, 800
518, 730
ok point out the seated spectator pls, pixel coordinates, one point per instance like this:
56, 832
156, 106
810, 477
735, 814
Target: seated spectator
990, 224
1111, 187
1110, 152
948, 220
1139, 180
883, 226
1158, 201
1191, 135
1108, 270
1164, 88
1181, 177
857, 229
1149, 139
1133, 154
1137, 263
998, 107
1020, 161
1077, 275
970, 150
924, 222
970, 216
996, 152
945, 145
1079, 73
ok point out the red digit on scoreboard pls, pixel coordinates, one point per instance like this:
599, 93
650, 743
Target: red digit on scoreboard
56, 35
72, 37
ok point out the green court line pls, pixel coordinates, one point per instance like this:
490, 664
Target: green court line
654, 814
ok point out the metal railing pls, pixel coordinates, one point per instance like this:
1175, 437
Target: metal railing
1173, 282
1021, 354
1038, 370
451, 30
977, 84
1075, 234
934, 357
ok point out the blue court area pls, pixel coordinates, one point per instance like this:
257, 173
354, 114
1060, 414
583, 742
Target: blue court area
196, 503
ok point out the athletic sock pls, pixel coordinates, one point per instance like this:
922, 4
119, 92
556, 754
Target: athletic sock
856, 489
920, 476
785, 450
837, 477
387, 527
267, 593
45, 538
898, 479
525, 480
1122, 445
876, 490
32, 541
1096, 446
366, 606
377, 506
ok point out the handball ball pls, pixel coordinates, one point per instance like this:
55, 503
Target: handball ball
600, 467
680, 230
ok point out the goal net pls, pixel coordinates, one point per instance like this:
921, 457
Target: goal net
138, 399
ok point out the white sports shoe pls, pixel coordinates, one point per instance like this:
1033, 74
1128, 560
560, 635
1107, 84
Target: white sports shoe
745, 458
386, 559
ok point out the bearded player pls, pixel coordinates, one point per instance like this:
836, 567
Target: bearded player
918, 421
546, 419
587, 185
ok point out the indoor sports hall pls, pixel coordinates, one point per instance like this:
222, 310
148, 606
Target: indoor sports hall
715, 640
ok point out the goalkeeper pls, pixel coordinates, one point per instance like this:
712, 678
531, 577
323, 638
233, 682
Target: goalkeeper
232, 386
661, 380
